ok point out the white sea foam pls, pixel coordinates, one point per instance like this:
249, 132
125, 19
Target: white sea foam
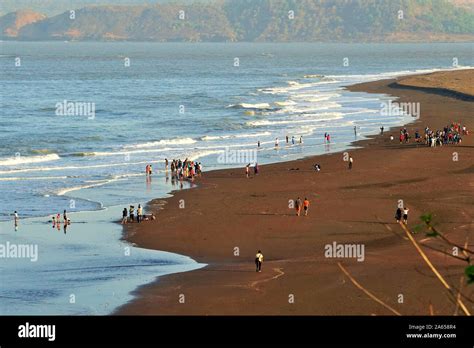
295, 86
132, 152
293, 120
285, 103
255, 106
395, 73
234, 136
28, 159
33, 178
63, 191
199, 154
175, 141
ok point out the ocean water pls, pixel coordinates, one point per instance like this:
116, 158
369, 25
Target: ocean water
154, 101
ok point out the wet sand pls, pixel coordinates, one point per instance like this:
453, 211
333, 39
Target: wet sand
229, 211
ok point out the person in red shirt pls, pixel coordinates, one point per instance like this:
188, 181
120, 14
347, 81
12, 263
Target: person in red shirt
306, 206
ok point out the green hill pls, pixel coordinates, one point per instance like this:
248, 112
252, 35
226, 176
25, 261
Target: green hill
263, 20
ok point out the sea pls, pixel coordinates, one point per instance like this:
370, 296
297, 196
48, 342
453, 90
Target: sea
79, 121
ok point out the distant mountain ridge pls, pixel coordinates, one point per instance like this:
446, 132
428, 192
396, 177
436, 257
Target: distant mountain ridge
253, 20
11, 23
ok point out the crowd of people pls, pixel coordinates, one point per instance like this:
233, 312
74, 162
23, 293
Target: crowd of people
450, 134
184, 169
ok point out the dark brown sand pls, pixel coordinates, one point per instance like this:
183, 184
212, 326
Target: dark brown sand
228, 210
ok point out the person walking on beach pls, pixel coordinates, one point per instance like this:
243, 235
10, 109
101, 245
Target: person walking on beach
259, 261
306, 206
124, 216
355, 130
298, 206
405, 215
16, 218
132, 213
139, 213
381, 130
247, 170
65, 216
255, 168
166, 164
351, 160
58, 218
287, 139
398, 214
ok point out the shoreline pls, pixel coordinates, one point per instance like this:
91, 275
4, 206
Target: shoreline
238, 286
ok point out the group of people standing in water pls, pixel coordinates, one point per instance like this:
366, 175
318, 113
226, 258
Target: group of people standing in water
287, 138
184, 169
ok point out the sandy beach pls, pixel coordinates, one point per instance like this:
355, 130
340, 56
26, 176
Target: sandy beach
228, 217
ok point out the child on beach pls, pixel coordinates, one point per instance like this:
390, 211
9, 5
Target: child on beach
306, 206
259, 261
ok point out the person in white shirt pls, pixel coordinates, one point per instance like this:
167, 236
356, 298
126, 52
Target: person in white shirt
259, 261
139, 213
405, 215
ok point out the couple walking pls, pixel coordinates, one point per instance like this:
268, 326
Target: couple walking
299, 205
